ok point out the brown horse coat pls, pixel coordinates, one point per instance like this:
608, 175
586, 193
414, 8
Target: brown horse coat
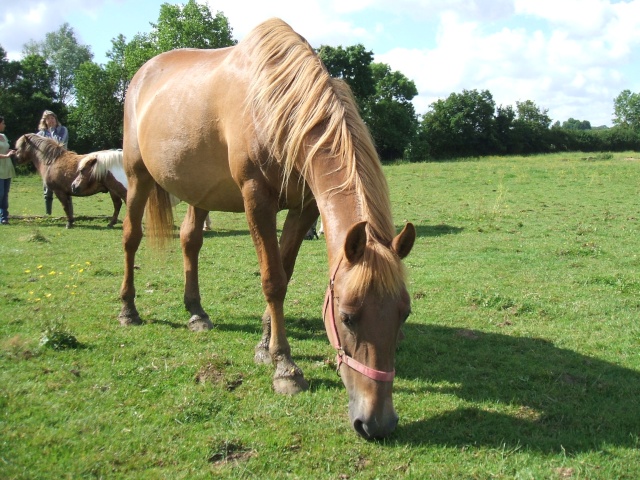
260, 127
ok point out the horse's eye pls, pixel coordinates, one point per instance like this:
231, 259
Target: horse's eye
348, 319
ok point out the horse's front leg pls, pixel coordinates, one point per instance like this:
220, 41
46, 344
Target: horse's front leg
261, 209
296, 225
67, 204
191, 241
117, 205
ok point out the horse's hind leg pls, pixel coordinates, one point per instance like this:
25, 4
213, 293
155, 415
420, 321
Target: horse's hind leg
191, 241
131, 238
117, 205
296, 225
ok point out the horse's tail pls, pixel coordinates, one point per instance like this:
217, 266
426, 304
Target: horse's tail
159, 217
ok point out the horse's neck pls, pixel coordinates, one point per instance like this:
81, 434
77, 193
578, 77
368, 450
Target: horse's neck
339, 212
40, 166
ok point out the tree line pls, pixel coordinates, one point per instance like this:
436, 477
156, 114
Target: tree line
59, 74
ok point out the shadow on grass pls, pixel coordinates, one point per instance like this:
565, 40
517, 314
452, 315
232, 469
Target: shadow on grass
55, 221
561, 400
437, 230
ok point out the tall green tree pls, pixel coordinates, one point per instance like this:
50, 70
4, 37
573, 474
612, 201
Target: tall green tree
573, 124
531, 128
98, 113
626, 110
65, 54
389, 112
191, 25
26, 89
461, 125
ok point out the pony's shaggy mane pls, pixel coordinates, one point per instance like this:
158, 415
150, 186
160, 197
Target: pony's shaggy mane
300, 110
106, 161
49, 149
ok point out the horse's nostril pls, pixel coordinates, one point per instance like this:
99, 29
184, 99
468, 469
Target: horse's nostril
358, 426
373, 430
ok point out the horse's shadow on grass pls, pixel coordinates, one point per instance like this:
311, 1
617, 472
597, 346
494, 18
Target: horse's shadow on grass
558, 400
437, 230
512, 392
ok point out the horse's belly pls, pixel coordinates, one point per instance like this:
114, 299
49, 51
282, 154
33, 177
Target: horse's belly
209, 193
225, 197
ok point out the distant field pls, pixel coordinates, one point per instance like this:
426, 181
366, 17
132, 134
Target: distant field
521, 357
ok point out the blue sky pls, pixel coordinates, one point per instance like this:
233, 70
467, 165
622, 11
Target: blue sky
572, 57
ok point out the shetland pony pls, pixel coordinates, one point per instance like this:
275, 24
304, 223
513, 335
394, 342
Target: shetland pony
264, 127
58, 168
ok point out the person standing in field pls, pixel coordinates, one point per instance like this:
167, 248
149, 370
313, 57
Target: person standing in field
50, 127
7, 172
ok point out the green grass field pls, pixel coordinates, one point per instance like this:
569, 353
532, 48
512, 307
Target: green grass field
521, 358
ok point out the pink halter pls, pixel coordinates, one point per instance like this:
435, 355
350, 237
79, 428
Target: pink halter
341, 356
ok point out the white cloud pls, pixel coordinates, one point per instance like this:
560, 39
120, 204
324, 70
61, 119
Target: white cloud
573, 68
25, 20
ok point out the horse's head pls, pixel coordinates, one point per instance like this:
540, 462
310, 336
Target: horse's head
24, 149
85, 174
366, 304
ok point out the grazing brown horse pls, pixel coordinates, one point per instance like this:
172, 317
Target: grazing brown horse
58, 168
263, 127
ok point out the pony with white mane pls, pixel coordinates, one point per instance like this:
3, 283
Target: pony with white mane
106, 166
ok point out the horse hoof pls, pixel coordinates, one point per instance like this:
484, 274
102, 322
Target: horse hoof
200, 324
128, 321
290, 385
288, 378
262, 355
69, 225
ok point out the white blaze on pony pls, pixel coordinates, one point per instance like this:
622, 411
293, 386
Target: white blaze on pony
264, 127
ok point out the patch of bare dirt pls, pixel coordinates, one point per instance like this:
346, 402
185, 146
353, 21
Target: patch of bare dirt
215, 372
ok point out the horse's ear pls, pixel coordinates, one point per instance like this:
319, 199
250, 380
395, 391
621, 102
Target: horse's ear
403, 243
355, 242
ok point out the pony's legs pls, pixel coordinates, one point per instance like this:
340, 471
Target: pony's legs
191, 241
117, 205
118, 194
296, 225
261, 209
67, 204
131, 237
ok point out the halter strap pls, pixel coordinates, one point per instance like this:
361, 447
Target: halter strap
341, 356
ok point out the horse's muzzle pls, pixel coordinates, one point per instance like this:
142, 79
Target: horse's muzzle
373, 429
373, 421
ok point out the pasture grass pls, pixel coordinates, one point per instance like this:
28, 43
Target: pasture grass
521, 357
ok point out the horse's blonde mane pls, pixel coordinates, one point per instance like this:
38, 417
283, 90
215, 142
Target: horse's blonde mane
50, 149
299, 110
106, 160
